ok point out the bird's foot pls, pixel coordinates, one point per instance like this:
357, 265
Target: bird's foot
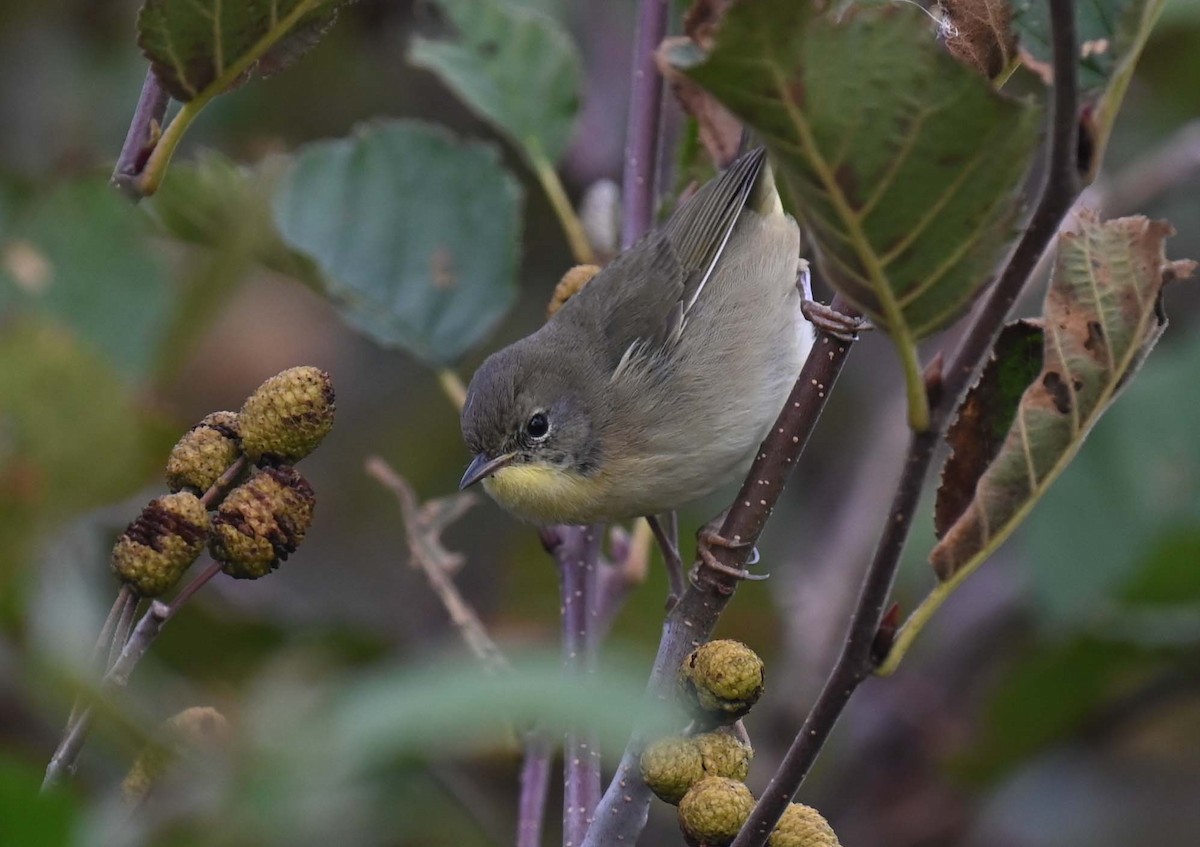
708, 538
832, 322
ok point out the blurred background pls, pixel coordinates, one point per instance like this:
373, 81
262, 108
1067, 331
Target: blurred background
1054, 701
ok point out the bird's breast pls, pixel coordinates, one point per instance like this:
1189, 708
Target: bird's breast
544, 494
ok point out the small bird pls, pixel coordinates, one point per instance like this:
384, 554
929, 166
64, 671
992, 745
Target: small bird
656, 383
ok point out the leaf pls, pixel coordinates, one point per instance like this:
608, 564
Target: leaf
981, 35
195, 44
70, 435
901, 163
1169, 574
1046, 696
1112, 34
985, 416
28, 817
217, 203
719, 131
415, 233
514, 66
1102, 315
83, 255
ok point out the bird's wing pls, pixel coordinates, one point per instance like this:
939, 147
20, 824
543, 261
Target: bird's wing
642, 299
700, 229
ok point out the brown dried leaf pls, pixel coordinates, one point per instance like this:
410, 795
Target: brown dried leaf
985, 416
720, 130
980, 35
703, 19
1102, 315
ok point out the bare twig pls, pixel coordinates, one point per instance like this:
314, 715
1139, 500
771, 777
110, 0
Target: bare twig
645, 114
62, 763
622, 812
864, 649
630, 561
423, 525
144, 131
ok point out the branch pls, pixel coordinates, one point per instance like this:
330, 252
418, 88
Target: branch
576, 552
535, 788
145, 128
622, 813
645, 116
423, 525
866, 646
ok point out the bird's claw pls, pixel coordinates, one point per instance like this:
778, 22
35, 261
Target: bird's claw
831, 321
708, 538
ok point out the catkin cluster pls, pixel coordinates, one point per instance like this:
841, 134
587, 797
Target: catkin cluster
249, 454
704, 774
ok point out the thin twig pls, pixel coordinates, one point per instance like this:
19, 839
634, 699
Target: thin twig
422, 524
535, 788
864, 649
576, 551
144, 131
62, 763
622, 812
224, 482
638, 190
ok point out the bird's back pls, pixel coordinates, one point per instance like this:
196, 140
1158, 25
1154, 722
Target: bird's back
699, 368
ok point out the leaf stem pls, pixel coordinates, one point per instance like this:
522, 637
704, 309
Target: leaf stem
452, 387
865, 647
914, 381
156, 166
543, 168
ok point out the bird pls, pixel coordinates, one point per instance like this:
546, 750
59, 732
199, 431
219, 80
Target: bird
655, 384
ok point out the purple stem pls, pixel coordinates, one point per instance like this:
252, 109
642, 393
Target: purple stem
645, 116
535, 787
142, 136
577, 551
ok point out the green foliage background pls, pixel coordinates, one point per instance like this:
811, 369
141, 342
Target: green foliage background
1055, 703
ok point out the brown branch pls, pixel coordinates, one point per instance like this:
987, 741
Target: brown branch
622, 813
864, 647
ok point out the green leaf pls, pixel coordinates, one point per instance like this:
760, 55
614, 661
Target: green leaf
1047, 695
453, 705
1112, 34
215, 202
70, 436
195, 44
28, 817
415, 233
902, 164
82, 254
515, 66
1169, 574
1102, 315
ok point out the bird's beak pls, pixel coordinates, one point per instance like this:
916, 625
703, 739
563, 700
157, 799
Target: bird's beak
482, 466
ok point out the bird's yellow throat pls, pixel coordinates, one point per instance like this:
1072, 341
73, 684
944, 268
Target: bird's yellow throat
545, 494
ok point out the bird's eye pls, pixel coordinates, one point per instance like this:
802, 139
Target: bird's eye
538, 426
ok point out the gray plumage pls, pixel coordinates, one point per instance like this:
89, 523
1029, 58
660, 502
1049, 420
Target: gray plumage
660, 378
